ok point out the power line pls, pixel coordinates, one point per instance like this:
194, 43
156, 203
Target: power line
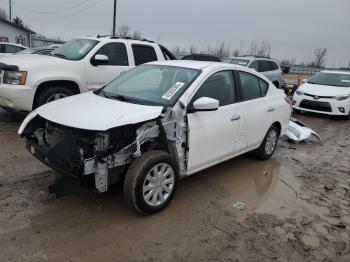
51, 12
72, 14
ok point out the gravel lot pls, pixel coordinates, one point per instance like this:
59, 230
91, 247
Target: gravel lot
296, 208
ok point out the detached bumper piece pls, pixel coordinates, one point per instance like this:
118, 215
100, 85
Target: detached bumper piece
298, 131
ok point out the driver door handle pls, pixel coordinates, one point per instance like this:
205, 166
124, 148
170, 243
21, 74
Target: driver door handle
270, 109
235, 118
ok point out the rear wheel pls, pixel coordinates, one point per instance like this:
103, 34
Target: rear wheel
150, 182
52, 94
269, 144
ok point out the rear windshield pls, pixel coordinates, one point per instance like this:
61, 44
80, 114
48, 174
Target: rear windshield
331, 79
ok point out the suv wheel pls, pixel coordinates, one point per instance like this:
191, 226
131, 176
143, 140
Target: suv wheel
150, 182
269, 144
52, 94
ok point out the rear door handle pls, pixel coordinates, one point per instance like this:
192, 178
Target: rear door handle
270, 109
235, 118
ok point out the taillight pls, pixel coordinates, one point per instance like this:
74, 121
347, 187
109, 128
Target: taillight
288, 100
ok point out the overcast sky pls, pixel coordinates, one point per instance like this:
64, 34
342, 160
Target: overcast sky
294, 27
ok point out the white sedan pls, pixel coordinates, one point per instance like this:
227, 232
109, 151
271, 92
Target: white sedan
328, 92
157, 123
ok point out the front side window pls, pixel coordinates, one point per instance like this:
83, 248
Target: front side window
331, 79
151, 84
75, 49
219, 86
116, 53
251, 86
143, 54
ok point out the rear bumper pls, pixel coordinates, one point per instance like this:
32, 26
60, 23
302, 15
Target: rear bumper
18, 97
42, 155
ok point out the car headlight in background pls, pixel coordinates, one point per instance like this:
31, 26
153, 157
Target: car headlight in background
299, 92
342, 97
15, 77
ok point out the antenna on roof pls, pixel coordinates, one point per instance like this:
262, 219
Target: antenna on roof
114, 16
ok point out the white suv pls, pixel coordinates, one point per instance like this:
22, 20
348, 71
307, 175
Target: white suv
28, 81
266, 66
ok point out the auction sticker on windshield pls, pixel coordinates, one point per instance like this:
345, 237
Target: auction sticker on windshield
173, 90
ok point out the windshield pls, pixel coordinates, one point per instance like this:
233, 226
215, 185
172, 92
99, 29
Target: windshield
75, 49
241, 62
331, 79
151, 84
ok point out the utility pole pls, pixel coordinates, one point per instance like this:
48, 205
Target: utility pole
114, 15
10, 9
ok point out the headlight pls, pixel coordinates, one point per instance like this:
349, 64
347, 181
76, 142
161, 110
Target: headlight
299, 93
15, 77
342, 97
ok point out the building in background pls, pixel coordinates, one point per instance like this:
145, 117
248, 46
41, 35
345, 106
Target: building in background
16, 34
39, 41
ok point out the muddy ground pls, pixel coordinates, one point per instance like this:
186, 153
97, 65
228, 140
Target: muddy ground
296, 208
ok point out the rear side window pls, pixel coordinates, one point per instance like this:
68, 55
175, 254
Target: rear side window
254, 65
273, 65
116, 53
143, 54
264, 66
252, 86
263, 87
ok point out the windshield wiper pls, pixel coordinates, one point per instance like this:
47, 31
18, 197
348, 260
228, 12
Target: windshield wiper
59, 55
120, 97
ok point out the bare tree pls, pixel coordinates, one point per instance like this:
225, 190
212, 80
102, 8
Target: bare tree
264, 49
3, 13
222, 51
320, 57
192, 49
124, 31
136, 34
253, 48
287, 62
235, 52
18, 21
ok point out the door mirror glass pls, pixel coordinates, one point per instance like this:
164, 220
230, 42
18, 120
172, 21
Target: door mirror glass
101, 59
206, 104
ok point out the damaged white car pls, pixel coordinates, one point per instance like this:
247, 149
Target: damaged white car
157, 123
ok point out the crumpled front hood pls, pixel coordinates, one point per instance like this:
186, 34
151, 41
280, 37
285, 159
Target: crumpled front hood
322, 90
92, 112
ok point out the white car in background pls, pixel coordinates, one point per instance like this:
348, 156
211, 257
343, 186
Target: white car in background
157, 123
328, 92
9, 49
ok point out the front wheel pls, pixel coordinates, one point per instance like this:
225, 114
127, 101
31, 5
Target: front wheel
269, 144
150, 182
51, 94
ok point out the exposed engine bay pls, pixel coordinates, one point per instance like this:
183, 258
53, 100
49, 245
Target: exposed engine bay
98, 158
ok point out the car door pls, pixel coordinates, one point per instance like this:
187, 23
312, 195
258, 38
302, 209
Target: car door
214, 135
97, 75
257, 108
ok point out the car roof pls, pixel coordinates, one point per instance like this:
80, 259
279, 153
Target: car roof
336, 72
252, 58
118, 39
194, 64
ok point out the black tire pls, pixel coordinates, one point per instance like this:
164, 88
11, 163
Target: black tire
48, 92
261, 152
136, 176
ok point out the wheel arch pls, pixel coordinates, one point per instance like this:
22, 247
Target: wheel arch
73, 86
279, 126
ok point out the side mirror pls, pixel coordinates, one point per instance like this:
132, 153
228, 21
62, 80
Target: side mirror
99, 60
205, 104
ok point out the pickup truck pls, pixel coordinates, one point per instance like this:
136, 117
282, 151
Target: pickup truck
82, 64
